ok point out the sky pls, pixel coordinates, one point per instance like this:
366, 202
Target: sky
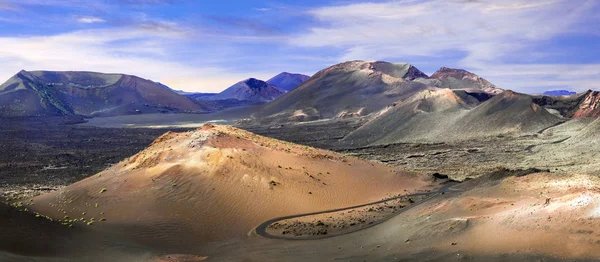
205, 46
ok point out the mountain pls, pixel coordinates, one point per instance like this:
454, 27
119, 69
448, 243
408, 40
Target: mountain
288, 81
444, 115
218, 182
41, 93
354, 88
251, 90
559, 93
460, 79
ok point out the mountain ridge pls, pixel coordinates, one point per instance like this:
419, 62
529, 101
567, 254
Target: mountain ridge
36, 93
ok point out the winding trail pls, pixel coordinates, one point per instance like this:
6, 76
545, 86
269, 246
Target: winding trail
261, 229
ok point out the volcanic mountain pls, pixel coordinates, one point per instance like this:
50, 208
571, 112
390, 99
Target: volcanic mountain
354, 88
288, 81
250, 90
41, 93
216, 183
444, 115
460, 79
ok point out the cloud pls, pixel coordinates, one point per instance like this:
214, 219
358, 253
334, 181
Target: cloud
262, 9
131, 50
536, 78
144, 2
90, 19
7, 6
233, 25
485, 29
484, 32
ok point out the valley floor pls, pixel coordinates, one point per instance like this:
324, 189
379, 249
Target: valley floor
548, 213
38, 155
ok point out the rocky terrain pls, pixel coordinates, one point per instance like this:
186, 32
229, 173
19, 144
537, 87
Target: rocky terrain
572, 106
44, 153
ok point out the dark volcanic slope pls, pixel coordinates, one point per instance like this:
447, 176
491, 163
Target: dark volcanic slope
288, 81
39, 93
441, 115
460, 79
251, 90
348, 89
21, 96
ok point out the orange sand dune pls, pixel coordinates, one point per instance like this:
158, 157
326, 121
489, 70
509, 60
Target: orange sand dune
217, 183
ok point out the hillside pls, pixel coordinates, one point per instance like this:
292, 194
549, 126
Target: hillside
354, 88
216, 183
586, 104
40, 93
288, 81
441, 115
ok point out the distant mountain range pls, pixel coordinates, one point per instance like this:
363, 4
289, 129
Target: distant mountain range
558, 93
251, 91
382, 92
40, 93
51, 93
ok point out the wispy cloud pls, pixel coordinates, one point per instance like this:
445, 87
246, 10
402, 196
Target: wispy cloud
193, 45
89, 19
484, 31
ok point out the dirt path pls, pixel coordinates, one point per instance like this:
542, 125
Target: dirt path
261, 229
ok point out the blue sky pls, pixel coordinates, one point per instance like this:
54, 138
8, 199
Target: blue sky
197, 45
